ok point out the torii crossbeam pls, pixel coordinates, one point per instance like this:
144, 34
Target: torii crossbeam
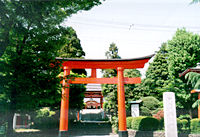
120, 80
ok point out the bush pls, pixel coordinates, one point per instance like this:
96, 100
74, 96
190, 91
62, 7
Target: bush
44, 119
136, 122
195, 125
144, 123
159, 115
114, 122
150, 102
156, 111
150, 106
145, 111
185, 124
129, 122
179, 124
186, 116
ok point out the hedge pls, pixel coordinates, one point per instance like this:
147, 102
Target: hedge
129, 122
145, 123
195, 125
185, 123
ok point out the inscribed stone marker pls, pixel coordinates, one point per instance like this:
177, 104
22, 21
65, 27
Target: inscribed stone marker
170, 114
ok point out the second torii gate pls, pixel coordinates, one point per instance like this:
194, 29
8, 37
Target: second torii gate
120, 80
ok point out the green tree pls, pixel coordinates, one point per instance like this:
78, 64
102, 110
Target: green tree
110, 91
30, 36
193, 79
130, 93
195, 1
157, 73
112, 53
72, 48
19, 18
183, 50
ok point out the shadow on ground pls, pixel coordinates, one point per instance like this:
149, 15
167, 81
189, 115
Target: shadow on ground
90, 129
76, 129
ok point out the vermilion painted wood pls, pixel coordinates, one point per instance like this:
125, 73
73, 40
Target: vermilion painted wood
64, 110
78, 116
92, 96
101, 101
105, 64
118, 64
93, 92
197, 91
135, 80
198, 106
94, 73
121, 100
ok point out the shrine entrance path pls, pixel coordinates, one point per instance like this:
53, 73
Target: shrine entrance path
88, 129
100, 136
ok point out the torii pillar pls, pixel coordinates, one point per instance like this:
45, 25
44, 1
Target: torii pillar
121, 103
64, 109
120, 80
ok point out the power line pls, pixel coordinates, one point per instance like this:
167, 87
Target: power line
133, 26
143, 27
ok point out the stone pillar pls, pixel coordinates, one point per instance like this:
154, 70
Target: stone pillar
170, 114
121, 103
64, 110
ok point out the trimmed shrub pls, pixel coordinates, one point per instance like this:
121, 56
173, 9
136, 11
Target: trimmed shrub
129, 122
144, 123
145, 111
114, 122
136, 122
195, 125
156, 111
150, 105
150, 102
179, 124
185, 124
45, 119
186, 116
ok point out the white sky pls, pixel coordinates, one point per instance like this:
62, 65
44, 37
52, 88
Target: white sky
137, 27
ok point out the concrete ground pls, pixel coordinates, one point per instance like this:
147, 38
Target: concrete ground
99, 136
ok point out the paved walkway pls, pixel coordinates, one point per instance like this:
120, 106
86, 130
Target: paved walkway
91, 125
99, 136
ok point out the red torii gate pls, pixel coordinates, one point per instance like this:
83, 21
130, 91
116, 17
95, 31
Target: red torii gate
120, 80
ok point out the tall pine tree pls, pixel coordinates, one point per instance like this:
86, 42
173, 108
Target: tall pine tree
110, 91
157, 73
